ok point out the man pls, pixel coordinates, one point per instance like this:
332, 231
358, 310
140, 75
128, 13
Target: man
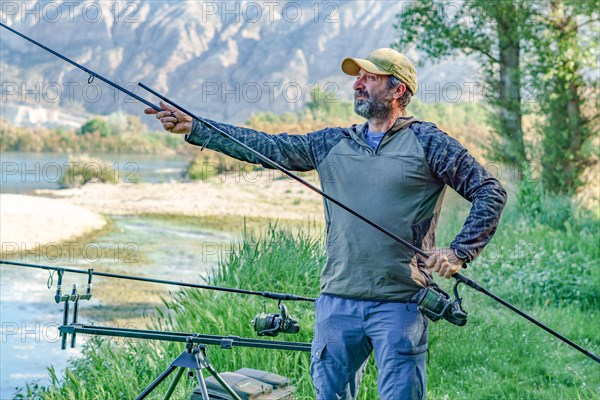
393, 169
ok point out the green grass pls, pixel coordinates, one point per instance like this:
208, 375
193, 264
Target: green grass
233, 223
497, 355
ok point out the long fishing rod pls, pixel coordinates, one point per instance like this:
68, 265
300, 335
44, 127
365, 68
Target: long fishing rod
268, 295
226, 342
81, 67
459, 277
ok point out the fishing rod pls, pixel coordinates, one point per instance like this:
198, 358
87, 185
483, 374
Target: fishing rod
91, 73
440, 299
207, 123
449, 307
226, 342
265, 324
194, 357
265, 294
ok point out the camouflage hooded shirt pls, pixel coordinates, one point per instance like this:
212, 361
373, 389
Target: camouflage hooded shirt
398, 185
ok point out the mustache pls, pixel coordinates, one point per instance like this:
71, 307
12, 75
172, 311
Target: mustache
362, 93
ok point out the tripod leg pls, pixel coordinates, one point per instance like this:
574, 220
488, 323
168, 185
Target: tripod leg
158, 380
174, 384
202, 384
221, 381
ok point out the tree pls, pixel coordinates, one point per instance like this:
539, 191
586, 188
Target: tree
490, 30
121, 123
519, 43
134, 125
563, 55
96, 125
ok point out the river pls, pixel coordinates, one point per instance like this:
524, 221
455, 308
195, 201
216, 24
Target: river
143, 246
24, 172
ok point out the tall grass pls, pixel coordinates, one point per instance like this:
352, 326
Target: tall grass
497, 355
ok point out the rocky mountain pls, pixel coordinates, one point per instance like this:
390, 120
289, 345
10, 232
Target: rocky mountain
222, 59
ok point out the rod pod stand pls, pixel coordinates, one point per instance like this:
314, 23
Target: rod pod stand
73, 297
194, 359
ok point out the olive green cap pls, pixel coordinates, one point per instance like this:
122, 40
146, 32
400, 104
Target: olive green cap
384, 62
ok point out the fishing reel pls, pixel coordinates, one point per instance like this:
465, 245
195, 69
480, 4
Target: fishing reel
436, 304
271, 324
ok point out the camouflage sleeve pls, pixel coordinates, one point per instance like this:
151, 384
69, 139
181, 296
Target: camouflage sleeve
450, 162
293, 152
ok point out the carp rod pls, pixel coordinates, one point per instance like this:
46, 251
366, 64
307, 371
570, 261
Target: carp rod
239, 143
81, 67
61, 270
459, 277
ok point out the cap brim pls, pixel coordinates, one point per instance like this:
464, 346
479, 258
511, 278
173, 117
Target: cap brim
352, 66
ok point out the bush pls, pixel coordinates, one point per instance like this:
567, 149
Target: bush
84, 169
557, 211
96, 125
131, 139
545, 251
208, 164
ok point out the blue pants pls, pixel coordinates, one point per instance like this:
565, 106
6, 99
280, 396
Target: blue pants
347, 331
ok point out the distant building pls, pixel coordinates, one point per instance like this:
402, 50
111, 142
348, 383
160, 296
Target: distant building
25, 115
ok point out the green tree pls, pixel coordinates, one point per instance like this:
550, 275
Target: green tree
544, 44
490, 30
565, 51
96, 125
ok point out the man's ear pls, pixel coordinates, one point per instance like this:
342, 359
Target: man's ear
400, 89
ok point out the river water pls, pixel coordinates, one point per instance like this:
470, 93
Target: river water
149, 247
23, 172
143, 246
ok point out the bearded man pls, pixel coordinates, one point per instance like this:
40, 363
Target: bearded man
394, 170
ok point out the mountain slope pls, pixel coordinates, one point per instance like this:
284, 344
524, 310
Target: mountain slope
224, 60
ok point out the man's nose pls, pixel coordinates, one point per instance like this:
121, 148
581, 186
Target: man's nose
358, 84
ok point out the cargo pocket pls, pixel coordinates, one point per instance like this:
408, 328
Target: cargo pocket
331, 380
317, 350
318, 371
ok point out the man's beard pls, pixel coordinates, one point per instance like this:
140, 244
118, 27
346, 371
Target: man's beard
376, 107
